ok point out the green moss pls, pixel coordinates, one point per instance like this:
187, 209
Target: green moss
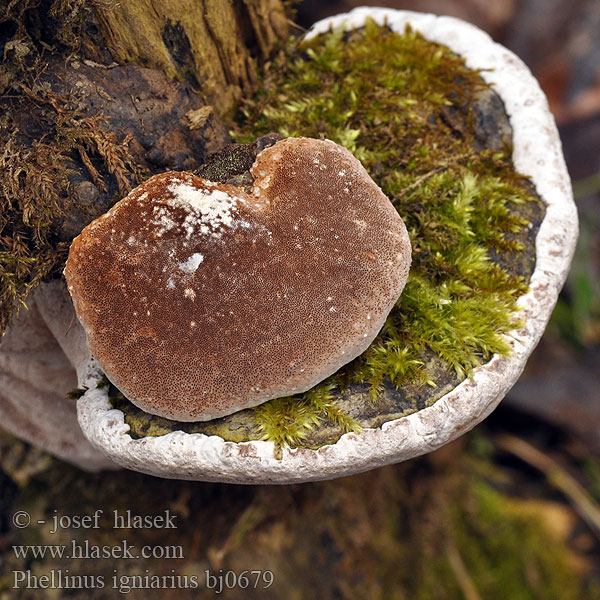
285, 421
412, 112
288, 421
404, 107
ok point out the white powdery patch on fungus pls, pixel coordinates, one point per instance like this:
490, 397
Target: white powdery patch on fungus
211, 210
161, 218
208, 210
192, 263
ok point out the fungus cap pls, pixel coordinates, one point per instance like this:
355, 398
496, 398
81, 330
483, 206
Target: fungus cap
199, 299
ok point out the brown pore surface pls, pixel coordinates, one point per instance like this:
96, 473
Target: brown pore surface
200, 299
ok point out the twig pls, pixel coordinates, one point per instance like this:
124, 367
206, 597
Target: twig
296, 26
463, 578
96, 177
583, 503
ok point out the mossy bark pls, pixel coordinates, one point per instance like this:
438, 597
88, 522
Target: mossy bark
94, 96
209, 43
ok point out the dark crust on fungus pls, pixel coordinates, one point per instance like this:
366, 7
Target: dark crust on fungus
194, 317
234, 162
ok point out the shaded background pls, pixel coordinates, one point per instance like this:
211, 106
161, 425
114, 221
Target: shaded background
508, 511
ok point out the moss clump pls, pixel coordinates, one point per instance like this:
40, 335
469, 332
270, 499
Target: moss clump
285, 421
36, 193
43, 136
288, 421
491, 528
412, 112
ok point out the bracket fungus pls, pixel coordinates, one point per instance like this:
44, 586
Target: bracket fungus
200, 299
395, 426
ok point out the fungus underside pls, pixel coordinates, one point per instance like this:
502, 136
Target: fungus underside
404, 107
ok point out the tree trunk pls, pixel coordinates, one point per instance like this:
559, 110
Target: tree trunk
209, 43
94, 95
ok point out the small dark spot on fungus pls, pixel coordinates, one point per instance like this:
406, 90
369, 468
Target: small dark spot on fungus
233, 164
200, 299
76, 393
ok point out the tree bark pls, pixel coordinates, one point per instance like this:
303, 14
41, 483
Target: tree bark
209, 43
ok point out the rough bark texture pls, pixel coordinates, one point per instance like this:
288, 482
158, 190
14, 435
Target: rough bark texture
209, 43
164, 124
